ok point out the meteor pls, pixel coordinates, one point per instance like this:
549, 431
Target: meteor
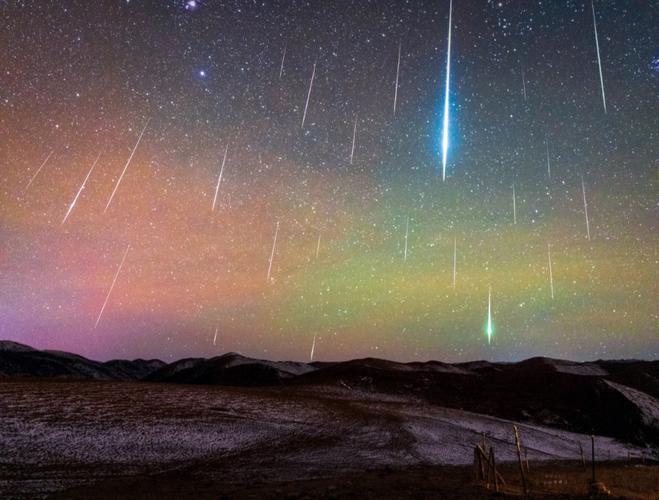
98, 320
215, 336
514, 206
407, 232
82, 186
446, 95
455, 258
551, 275
585, 207
599, 60
523, 85
547, 150
39, 170
272, 253
219, 179
354, 135
116, 186
313, 348
318, 245
490, 330
306, 105
283, 58
397, 74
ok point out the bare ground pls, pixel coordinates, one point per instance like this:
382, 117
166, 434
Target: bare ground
547, 480
88, 439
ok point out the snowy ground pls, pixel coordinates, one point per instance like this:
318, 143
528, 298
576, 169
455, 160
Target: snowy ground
58, 434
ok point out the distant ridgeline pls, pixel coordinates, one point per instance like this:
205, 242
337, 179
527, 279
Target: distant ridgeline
611, 398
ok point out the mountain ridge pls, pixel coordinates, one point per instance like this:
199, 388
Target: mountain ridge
618, 398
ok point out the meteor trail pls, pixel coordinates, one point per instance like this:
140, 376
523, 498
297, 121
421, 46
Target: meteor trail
283, 58
455, 258
116, 186
272, 254
551, 275
306, 105
215, 336
39, 170
514, 206
489, 315
313, 348
354, 135
318, 245
446, 95
523, 85
82, 186
599, 60
585, 207
407, 232
111, 287
219, 179
397, 74
547, 150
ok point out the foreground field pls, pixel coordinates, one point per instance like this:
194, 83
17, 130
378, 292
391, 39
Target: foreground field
547, 480
102, 437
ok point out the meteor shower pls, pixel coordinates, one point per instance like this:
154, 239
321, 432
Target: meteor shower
329, 249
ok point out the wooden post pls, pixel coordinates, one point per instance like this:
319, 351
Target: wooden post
477, 461
592, 443
521, 465
526, 458
479, 467
494, 470
481, 454
483, 465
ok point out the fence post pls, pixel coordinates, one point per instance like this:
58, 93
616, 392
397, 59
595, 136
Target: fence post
479, 473
592, 446
526, 458
494, 470
521, 465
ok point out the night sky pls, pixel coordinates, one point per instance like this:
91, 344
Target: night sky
364, 255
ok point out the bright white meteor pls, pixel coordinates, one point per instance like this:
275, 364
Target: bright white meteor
39, 170
283, 58
397, 74
599, 60
514, 205
455, 259
547, 151
219, 179
272, 253
98, 320
551, 274
306, 105
82, 186
123, 172
313, 348
585, 207
354, 136
446, 95
407, 232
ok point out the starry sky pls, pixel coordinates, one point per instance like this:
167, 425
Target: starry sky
338, 231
